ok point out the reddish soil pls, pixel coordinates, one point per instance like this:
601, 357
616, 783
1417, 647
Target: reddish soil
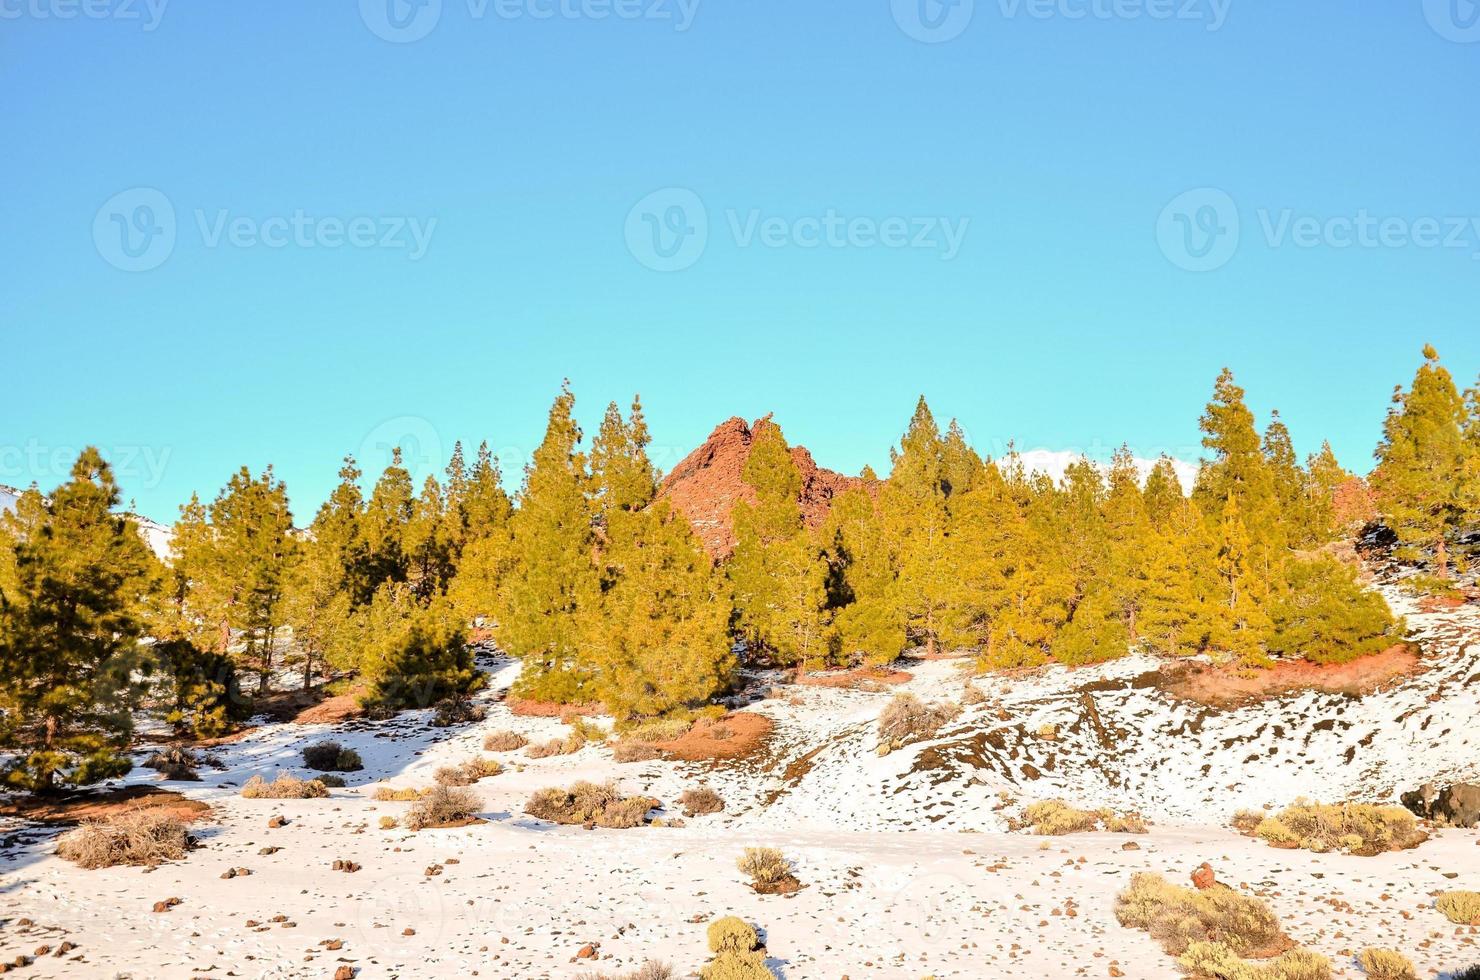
746, 731
1439, 603
99, 806
853, 678
705, 485
339, 708
1223, 686
530, 708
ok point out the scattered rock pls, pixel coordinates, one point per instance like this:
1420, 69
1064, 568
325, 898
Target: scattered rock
1203, 877
1457, 805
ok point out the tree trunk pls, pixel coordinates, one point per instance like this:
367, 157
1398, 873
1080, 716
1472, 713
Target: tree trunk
1441, 555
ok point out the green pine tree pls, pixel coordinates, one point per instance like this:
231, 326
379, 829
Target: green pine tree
76, 580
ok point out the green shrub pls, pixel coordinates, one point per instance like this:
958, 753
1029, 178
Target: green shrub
331, 757
1326, 616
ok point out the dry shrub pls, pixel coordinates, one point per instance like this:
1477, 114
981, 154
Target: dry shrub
906, 717
284, 787
1460, 907
332, 781
389, 823
455, 711
468, 772
386, 794
971, 694
1217, 962
147, 836
331, 757
442, 807
1386, 964
593, 804
737, 953
628, 750
1357, 828
1247, 822
1052, 818
179, 763
544, 750
660, 730
700, 800
769, 871
583, 731
1177, 917
504, 741
1468, 973
652, 970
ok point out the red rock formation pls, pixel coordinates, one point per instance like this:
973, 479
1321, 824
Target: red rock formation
706, 483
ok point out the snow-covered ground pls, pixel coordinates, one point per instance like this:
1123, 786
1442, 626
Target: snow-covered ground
909, 870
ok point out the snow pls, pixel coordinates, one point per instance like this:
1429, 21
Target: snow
909, 870
1055, 463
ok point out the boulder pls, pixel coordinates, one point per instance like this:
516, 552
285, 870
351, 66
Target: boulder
1457, 805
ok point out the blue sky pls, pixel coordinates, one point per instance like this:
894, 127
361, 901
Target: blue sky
277, 232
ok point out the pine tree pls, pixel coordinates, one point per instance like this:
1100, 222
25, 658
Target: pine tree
76, 578
778, 574
552, 581
861, 576
1325, 483
1325, 615
1238, 470
428, 543
916, 517
1289, 485
412, 654
1163, 493
383, 525
1421, 463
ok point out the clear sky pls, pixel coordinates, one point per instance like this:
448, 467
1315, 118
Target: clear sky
819, 209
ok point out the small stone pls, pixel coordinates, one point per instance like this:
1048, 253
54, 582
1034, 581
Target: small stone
1130, 845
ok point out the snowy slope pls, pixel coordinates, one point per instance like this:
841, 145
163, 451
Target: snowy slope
156, 535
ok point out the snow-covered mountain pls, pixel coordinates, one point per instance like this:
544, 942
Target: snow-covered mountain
8, 497
1053, 464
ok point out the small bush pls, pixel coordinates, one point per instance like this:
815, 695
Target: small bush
660, 730
648, 971
455, 710
284, 787
331, 757
628, 750
179, 763
146, 837
332, 781
583, 731
769, 871
443, 806
1385, 964
1247, 822
468, 772
1357, 828
389, 823
700, 800
543, 750
504, 741
1218, 962
386, 794
597, 805
1460, 907
906, 718
1468, 973
1053, 818
1178, 917
730, 934
972, 695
